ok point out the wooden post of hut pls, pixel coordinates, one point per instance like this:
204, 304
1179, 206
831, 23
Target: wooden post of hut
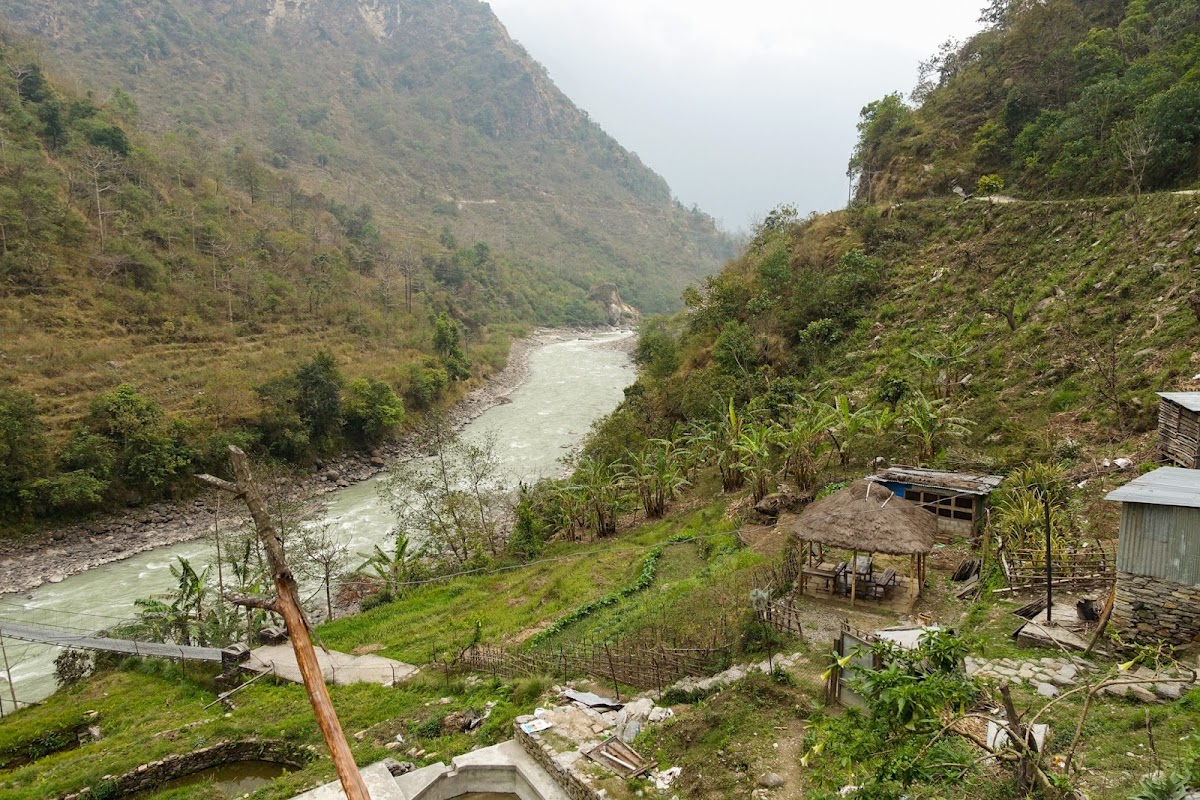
853, 575
869, 518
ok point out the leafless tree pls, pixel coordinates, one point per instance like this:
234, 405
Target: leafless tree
327, 554
1137, 143
101, 167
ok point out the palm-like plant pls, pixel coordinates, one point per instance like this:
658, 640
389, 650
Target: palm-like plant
756, 457
655, 475
725, 440
601, 494
805, 443
930, 424
846, 427
389, 568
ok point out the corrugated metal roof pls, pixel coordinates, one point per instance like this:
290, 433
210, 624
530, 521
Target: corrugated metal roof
1189, 400
962, 482
1166, 486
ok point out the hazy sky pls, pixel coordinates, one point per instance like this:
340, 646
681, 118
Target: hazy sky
740, 104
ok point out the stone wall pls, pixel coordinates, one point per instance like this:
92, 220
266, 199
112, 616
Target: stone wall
543, 753
155, 773
1150, 609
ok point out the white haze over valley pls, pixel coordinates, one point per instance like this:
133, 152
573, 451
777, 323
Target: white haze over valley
744, 105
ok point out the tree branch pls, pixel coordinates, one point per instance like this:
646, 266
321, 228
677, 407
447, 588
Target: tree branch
249, 601
221, 484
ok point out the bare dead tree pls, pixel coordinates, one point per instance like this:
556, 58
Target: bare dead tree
100, 166
1137, 143
408, 267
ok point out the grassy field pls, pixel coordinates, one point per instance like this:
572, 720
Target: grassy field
724, 742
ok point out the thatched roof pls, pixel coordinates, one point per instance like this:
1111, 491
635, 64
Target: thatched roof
866, 517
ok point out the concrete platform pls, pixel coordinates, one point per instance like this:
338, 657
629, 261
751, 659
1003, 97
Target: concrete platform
338, 668
379, 780
504, 768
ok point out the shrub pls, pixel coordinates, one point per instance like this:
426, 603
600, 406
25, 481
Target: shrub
72, 666
370, 410
990, 184
22, 450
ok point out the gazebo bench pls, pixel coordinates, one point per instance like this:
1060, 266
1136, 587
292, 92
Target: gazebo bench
880, 589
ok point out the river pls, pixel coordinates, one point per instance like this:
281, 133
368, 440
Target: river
569, 386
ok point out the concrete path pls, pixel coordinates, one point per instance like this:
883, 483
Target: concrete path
338, 668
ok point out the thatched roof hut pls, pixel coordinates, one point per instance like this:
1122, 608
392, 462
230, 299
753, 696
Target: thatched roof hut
867, 517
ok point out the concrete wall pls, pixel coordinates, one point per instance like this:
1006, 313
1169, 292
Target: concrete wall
1149, 609
155, 773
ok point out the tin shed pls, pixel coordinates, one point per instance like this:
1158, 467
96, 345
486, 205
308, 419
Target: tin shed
1158, 557
956, 498
1179, 428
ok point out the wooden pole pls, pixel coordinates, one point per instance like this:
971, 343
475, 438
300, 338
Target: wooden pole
288, 603
1049, 562
853, 575
12, 690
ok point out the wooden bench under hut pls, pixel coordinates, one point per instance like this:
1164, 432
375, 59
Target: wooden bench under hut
865, 519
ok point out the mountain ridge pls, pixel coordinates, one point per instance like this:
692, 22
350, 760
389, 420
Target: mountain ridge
421, 109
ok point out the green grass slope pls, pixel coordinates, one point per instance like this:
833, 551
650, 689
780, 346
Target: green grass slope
1046, 324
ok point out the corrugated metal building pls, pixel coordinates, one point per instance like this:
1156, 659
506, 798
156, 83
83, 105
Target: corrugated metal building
1179, 428
956, 498
1158, 557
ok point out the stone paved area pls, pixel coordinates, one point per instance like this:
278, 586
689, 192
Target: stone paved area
1050, 676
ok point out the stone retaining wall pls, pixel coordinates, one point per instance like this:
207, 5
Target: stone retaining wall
1150, 609
155, 773
543, 754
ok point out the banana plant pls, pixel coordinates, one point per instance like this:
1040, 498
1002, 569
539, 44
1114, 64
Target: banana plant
931, 424
756, 457
728, 456
805, 443
389, 568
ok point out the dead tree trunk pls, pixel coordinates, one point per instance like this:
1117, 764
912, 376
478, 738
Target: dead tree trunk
288, 605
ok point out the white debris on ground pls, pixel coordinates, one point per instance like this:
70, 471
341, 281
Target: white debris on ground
1051, 676
737, 672
578, 726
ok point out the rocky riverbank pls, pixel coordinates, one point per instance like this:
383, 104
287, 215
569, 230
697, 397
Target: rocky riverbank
54, 554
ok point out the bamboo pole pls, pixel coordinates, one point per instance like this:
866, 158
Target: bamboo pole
288, 603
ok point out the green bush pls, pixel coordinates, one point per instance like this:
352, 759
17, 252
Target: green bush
23, 450
989, 185
370, 411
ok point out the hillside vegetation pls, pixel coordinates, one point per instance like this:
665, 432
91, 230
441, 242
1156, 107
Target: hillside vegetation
285, 231
1054, 97
426, 112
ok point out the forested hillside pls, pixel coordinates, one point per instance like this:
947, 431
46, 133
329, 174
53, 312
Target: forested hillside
286, 228
426, 113
919, 327
1054, 98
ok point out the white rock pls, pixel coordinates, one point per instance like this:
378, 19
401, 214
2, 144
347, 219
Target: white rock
1047, 690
